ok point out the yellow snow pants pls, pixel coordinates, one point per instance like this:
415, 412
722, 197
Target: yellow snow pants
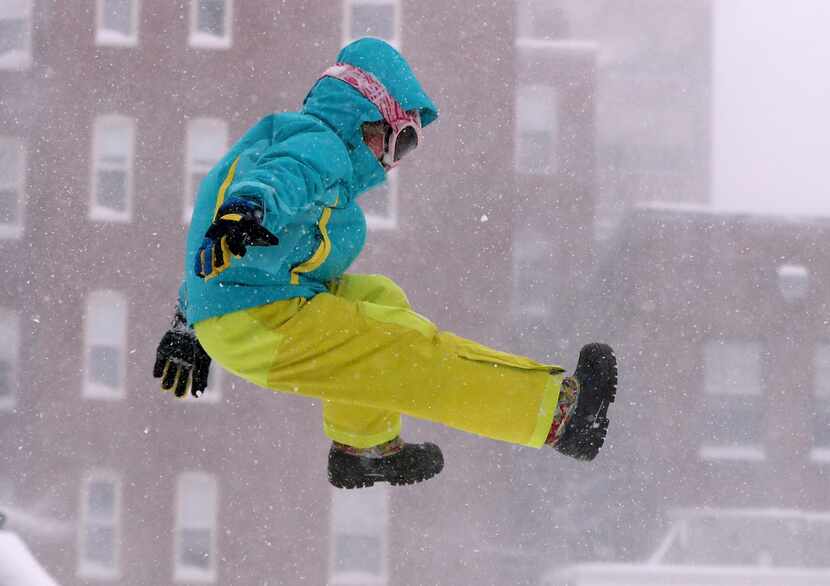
369, 357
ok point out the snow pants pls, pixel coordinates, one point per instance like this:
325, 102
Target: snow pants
370, 358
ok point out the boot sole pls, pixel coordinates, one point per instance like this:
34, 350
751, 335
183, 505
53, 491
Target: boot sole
366, 482
584, 438
348, 471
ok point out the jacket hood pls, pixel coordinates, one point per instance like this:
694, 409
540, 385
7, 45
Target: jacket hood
345, 110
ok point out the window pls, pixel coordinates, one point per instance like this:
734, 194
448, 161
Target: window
372, 18
821, 406
112, 177
15, 34
210, 23
733, 417
196, 518
117, 23
9, 357
106, 341
537, 130
533, 275
381, 204
100, 526
359, 522
793, 282
207, 141
12, 187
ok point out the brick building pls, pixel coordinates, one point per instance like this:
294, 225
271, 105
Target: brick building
111, 111
721, 323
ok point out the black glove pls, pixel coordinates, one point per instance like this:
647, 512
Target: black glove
238, 224
178, 355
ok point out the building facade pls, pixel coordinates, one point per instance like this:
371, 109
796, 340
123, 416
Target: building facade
110, 113
720, 323
653, 95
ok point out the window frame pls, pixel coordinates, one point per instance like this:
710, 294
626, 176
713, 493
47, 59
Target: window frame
201, 40
190, 189
110, 38
183, 573
92, 389
15, 231
13, 317
85, 568
337, 578
10, 61
389, 222
397, 25
738, 452
99, 212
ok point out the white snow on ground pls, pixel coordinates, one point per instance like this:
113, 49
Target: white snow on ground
18, 567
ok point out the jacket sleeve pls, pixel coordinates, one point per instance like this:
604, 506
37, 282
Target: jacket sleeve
293, 171
182, 302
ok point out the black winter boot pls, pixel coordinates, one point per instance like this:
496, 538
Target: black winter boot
395, 462
596, 379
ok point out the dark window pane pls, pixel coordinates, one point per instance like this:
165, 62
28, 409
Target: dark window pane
195, 548
6, 382
821, 423
112, 189
101, 500
211, 17
12, 34
100, 545
103, 365
733, 421
358, 553
118, 16
370, 20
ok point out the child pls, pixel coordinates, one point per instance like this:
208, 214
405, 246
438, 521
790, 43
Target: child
275, 227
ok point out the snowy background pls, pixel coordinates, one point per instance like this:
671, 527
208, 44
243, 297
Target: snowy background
770, 129
645, 172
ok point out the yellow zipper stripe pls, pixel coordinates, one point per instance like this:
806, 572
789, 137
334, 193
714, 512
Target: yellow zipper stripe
320, 255
220, 198
323, 251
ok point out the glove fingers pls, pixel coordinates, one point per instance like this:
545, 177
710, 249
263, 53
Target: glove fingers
182, 381
204, 259
219, 263
258, 235
168, 376
236, 244
158, 367
200, 379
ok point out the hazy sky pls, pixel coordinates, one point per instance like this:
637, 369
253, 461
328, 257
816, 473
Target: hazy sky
771, 106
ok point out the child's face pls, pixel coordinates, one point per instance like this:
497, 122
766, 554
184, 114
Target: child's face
373, 136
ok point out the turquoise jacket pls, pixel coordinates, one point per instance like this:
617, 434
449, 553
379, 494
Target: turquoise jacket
306, 170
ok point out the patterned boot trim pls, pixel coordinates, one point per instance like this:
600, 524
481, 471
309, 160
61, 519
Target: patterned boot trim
565, 408
380, 451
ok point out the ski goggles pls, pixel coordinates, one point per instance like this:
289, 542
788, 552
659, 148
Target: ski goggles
403, 133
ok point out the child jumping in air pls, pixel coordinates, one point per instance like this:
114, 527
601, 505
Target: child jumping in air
266, 294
